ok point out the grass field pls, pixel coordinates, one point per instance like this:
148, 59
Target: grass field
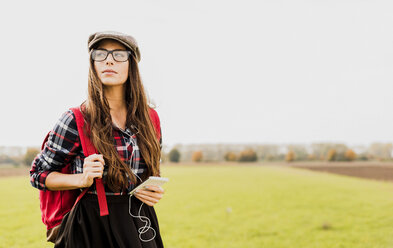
239, 206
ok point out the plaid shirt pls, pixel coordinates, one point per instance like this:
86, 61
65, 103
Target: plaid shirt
63, 147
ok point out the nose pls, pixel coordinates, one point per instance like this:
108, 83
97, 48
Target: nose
109, 59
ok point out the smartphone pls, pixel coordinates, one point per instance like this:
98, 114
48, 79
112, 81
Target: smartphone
156, 181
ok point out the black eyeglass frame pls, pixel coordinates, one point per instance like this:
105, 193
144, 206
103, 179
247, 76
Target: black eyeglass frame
110, 52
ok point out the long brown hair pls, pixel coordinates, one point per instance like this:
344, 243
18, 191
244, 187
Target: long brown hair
97, 114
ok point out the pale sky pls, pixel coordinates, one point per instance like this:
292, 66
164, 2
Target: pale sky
219, 71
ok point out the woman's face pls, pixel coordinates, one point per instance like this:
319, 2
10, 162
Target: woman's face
119, 70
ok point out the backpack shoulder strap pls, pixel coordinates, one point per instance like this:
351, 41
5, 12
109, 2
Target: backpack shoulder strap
89, 149
87, 146
156, 122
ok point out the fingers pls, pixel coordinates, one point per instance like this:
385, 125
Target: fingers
95, 157
94, 172
94, 175
95, 161
153, 188
149, 196
146, 199
93, 167
151, 204
93, 164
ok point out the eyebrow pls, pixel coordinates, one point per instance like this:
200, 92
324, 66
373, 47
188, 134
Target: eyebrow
111, 50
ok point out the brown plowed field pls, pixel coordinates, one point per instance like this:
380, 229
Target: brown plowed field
369, 170
378, 171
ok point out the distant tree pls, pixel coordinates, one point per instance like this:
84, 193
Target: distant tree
31, 153
331, 155
164, 156
290, 156
5, 159
340, 156
230, 156
380, 151
321, 151
363, 157
280, 157
267, 151
299, 152
248, 155
269, 157
311, 157
350, 155
197, 156
174, 155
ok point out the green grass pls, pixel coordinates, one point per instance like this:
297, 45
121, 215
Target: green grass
239, 206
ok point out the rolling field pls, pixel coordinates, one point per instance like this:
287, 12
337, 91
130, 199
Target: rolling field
238, 206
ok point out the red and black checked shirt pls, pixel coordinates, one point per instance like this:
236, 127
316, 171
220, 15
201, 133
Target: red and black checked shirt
63, 147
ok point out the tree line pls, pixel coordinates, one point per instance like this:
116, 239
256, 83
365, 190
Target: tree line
252, 153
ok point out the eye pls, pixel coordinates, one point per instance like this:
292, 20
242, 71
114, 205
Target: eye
120, 54
100, 53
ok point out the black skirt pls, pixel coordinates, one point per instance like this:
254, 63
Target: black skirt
84, 227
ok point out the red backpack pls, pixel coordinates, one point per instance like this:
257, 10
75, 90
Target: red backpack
55, 204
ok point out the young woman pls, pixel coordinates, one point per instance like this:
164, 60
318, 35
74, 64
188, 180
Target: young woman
129, 151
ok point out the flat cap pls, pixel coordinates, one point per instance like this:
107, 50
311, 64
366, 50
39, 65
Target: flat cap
124, 39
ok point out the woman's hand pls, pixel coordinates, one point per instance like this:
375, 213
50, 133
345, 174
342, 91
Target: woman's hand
150, 194
93, 167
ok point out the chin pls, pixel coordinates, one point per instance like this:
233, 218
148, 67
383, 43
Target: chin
111, 83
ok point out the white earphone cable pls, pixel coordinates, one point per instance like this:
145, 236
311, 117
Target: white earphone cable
144, 229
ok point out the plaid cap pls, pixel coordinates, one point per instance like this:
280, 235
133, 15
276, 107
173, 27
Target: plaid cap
124, 39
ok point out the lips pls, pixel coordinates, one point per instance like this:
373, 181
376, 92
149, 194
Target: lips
109, 71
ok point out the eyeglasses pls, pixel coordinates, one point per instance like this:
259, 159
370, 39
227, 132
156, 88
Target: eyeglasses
118, 55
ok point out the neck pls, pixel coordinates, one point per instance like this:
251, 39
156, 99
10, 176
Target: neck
115, 95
